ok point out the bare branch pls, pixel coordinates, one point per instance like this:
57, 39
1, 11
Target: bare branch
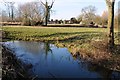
42, 3
52, 3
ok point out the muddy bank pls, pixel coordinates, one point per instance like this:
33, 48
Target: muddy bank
12, 68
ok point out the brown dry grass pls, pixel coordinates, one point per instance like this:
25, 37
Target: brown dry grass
98, 53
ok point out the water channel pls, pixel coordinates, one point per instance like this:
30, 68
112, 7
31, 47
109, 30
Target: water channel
49, 61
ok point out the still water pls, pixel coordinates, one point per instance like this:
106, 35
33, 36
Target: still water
46, 60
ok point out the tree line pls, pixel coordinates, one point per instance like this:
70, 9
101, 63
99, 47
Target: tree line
38, 13
30, 13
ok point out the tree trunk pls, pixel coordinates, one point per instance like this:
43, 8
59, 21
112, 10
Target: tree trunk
111, 25
46, 13
46, 19
12, 13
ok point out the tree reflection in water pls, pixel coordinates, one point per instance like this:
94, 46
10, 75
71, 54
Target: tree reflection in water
47, 49
33, 48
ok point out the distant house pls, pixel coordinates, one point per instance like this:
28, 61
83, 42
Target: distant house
66, 21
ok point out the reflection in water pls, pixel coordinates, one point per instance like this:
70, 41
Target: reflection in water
47, 48
49, 61
103, 72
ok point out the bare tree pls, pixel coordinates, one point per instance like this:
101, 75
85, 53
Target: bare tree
79, 18
31, 13
98, 20
104, 18
0, 15
4, 16
10, 9
110, 5
88, 14
47, 10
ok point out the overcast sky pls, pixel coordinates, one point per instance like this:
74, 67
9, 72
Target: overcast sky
65, 9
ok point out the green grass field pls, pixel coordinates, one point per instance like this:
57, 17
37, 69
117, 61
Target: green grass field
27, 33
45, 34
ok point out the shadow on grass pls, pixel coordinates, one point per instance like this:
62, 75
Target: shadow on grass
64, 34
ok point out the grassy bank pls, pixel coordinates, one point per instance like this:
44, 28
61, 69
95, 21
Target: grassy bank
88, 43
